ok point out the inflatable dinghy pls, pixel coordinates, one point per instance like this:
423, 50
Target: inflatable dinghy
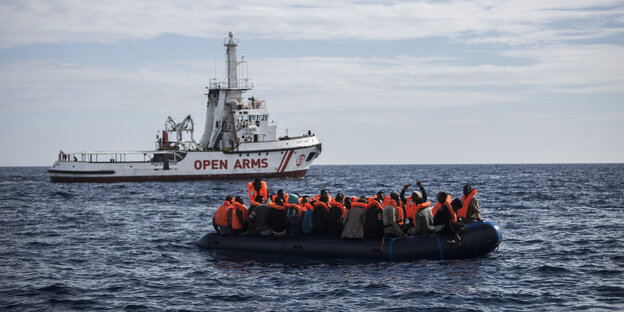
477, 240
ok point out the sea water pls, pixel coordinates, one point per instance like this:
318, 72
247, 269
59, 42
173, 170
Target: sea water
130, 246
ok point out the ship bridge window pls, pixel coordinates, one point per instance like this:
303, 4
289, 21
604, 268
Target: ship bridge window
264, 117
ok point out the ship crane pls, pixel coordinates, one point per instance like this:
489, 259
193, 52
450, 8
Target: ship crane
187, 125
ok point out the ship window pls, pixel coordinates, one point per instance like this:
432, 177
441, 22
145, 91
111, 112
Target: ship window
264, 117
311, 156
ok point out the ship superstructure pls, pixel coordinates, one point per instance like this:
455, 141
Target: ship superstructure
239, 142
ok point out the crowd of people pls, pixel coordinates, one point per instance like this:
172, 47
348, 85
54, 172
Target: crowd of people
394, 215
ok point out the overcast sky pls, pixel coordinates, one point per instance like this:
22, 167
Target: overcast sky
394, 82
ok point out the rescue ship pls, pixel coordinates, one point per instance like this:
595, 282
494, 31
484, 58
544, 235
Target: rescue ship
239, 142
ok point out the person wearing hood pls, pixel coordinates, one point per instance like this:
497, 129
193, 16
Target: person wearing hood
392, 216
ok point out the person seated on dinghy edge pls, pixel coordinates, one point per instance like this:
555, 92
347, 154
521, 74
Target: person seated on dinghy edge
445, 219
354, 222
391, 216
278, 217
469, 212
335, 215
220, 218
237, 216
257, 190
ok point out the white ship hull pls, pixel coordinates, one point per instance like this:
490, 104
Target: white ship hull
239, 142
285, 158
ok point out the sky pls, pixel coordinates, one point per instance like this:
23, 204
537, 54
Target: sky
379, 82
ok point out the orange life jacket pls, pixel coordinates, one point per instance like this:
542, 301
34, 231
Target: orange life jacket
253, 193
447, 204
412, 208
399, 207
237, 224
306, 207
285, 197
318, 197
466, 203
295, 206
221, 216
334, 203
358, 204
373, 203
319, 203
276, 206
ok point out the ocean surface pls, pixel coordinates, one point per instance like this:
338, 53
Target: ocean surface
130, 246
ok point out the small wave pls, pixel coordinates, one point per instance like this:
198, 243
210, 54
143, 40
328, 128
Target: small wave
57, 289
233, 298
551, 269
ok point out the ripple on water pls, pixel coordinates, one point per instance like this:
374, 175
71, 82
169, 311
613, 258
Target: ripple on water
129, 246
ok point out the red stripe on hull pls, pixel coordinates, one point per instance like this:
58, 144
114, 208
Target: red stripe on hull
282, 162
180, 178
287, 160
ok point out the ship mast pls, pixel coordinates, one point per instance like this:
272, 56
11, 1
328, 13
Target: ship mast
232, 63
223, 98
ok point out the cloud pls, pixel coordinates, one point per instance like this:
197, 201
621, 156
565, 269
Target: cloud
509, 22
311, 83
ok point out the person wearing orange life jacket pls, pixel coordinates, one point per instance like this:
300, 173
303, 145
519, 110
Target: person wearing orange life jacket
400, 208
278, 217
258, 192
280, 194
220, 219
373, 222
445, 219
354, 222
307, 222
237, 216
294, 215
469, 212
391, 216
320, 219
417, 211
336, 215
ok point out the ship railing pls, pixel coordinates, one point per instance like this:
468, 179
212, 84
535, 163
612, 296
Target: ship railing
243, 83
172, 156
255, 104
286, 134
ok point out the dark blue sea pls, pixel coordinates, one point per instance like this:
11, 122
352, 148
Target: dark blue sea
130, 246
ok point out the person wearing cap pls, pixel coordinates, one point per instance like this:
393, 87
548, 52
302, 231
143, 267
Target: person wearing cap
417, 211
391, 216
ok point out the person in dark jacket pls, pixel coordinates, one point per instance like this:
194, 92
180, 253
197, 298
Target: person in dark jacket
259, 220
373, 222
335, 216
321, 210
445, 219
278, 216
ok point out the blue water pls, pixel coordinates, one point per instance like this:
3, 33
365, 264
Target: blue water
130, 246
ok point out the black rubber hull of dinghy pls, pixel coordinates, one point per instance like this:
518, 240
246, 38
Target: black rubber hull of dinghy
478, 240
